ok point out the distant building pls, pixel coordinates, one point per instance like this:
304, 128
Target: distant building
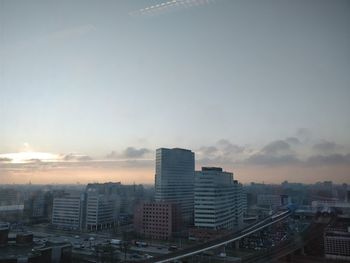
9, 196
38, 206
131, 195
4, 231
11, 205
157, 220
124, 196
331, 206
218, 200
324, 190
347, 197
272, 201
68, 211
11, 213
174, 180
97, 208
109, 188
35, 206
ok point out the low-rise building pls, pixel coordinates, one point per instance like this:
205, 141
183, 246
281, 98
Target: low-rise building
272, 201
331, 206
21, 247
337, 243
157, 220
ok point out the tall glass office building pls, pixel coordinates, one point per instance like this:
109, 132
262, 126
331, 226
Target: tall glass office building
174, 179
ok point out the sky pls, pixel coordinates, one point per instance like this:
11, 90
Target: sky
89, 89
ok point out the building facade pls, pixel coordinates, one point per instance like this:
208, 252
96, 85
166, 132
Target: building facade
157, 220
99, 212
67, 212
174, 180
337, 243
102, 205
272, 201
35, 206
218, 200
4, 232
9, 196
97, 208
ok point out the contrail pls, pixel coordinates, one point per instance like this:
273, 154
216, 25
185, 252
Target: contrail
168, 6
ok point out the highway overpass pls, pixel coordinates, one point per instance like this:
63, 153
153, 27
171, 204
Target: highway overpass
229, 238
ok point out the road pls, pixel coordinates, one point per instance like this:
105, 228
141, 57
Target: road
289, 246
229, 238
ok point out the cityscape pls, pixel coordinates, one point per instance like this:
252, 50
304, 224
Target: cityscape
187, 216
174, 131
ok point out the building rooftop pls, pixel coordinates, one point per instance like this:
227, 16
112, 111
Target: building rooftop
178, 149
216, 169
9, 208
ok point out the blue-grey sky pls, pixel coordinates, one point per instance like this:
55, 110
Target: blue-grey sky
92, 77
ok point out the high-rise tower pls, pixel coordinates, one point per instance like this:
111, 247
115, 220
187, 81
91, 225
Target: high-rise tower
174, 180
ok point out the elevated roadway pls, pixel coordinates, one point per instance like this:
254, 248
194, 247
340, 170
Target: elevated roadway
229, 238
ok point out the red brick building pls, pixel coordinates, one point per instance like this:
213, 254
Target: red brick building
157, 220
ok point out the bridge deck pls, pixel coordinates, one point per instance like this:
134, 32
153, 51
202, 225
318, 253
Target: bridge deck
229, 238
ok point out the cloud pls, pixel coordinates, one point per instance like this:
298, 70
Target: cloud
275, 153
5, 159
128, 153
325, 146
293, 140
34, 160
132, 152
276, 147
112, 155
270, 160
228, 147
280, 153
130, 158
303, 134
208, 150
137, 163
222, 153
76, 157
283, 153
332, 159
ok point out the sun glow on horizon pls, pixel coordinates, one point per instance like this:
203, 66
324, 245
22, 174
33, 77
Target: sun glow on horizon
28, 156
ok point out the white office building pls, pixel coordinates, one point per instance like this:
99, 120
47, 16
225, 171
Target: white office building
218, 200
99, 212
67, 212
174, 180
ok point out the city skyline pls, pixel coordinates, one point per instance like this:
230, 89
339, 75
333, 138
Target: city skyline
73, 168
88, 92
